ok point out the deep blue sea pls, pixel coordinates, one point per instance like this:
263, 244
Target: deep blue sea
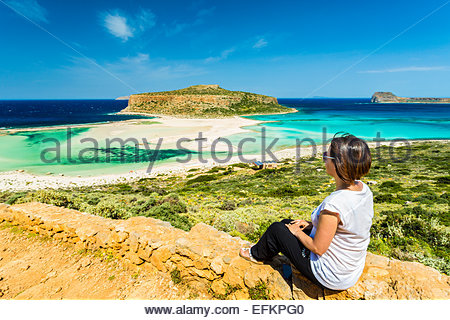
411, 121
35, 113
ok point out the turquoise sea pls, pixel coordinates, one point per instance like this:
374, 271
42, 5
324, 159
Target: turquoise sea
315, 119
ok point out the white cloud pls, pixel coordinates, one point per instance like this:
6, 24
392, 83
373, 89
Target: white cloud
30, 9
125, 27
117, 26
407, 69
261, 43
223, 55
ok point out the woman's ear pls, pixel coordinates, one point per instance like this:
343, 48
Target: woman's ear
331, 169
329, 165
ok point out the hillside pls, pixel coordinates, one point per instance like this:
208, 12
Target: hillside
410, 200
145, 258
203, 101
389, 97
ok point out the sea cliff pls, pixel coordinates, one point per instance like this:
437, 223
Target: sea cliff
203, 101
389, 97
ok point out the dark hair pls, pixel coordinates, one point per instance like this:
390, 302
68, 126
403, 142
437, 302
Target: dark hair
352, 157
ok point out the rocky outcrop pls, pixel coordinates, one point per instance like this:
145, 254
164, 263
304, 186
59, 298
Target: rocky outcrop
207, 258
123, 98
203, 101
389, 97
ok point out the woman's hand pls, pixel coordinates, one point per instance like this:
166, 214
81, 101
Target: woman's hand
328, 222
293, 228
296, 226
301, 223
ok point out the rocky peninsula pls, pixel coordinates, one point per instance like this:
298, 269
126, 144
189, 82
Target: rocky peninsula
205, 101
389, 97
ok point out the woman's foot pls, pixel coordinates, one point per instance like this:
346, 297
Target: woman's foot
246, 254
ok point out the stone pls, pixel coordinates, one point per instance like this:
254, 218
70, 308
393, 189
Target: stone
134, 242
234, 275
254, 274
279, 288
226, 259
160, 256
134, 258
145, 252
103, 238
303, 289
119, 236
217, 265
201, 264
86, 231
218, 287
207, 274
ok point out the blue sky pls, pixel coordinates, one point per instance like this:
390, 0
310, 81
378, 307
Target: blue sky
105, 49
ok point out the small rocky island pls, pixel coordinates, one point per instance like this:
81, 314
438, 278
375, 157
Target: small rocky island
389, 97
206, 101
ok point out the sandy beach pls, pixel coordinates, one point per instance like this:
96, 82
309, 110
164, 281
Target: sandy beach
171, 129
20, 180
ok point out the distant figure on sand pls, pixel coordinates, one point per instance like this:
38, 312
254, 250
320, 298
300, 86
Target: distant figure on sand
331, 249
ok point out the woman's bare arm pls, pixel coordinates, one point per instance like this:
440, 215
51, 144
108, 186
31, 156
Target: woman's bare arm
326, 229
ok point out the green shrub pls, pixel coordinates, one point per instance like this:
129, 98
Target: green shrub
443, 180
170, 209
228, 205
265, 173
240, 165
391, 186
423, 187
13, 198
284, 191
414, 234
57, 198
202, 178
259, 292
426, 198
386, 197
175, 275
110, 209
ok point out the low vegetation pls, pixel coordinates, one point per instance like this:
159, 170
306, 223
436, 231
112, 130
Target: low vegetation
209, 101
410, 198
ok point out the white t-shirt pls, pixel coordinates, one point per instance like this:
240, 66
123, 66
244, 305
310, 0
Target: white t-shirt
341, 265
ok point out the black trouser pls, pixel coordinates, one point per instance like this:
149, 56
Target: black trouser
278, 238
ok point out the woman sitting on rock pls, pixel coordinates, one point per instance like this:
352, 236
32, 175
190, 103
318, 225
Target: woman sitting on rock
331, 250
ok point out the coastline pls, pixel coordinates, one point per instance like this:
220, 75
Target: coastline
64, 126
183, 116
23, 181
6, 131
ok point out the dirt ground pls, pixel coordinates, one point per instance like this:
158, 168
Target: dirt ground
36, 267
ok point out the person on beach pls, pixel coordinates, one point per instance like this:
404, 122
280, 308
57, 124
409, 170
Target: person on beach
331, 249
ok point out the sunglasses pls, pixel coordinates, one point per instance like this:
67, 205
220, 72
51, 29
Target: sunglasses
325, 156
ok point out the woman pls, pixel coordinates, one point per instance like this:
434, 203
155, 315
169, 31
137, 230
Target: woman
331, 250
